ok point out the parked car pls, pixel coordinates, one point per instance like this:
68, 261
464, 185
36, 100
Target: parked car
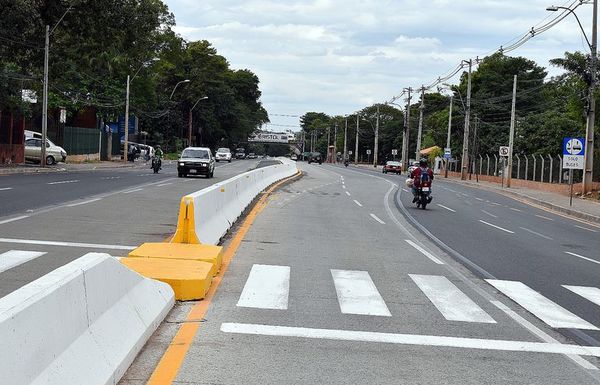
392, 166
223, 154
54, 153
196, 160
252, 156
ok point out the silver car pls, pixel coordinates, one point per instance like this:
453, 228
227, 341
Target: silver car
196, 160
54, 153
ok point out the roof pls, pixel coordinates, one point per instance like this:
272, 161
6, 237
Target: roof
429, 150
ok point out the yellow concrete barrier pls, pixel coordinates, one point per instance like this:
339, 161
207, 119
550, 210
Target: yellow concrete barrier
190, 280
186, 223
181, 251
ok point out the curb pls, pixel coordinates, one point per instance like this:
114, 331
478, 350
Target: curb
535, 201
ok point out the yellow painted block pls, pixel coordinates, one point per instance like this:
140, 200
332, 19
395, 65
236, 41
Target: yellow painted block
190, 280
182, 251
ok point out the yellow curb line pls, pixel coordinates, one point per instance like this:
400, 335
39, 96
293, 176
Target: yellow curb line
171, 361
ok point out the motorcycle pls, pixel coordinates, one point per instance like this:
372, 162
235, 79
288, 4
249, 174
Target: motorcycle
346, 163
424, 195
156, 163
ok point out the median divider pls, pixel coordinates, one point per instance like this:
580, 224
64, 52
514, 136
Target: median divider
190, 260
83, 323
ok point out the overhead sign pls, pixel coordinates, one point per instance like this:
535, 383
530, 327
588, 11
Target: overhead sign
573, 153
504, 150
394, 152
269, 137
368, 152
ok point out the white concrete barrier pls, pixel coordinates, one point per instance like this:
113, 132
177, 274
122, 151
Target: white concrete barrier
206, 215
83, 323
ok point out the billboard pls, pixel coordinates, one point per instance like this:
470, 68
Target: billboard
269, 137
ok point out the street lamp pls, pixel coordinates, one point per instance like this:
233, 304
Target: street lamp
176, 85
588, 170
190, 119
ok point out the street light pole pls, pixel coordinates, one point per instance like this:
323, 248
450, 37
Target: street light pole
465, 152
405, 136
376, 139
45, 98
126, 141
356, 143
448, 136
588, 172
335, 144
190, 119
420, 131
511, 136
346, 140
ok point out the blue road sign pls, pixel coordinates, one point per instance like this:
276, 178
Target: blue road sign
574, 146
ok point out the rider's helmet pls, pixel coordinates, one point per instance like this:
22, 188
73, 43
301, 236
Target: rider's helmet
158, 147
423, 162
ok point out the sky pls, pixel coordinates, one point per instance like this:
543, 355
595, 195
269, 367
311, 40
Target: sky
338, 57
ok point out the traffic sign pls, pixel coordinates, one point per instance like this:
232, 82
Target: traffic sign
573, 153
448, 153
504, 150
368, 152
394, 152
349, 152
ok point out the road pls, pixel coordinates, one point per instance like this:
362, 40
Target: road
332, 284
50, 219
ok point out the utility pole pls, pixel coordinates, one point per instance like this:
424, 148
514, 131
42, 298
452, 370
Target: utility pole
346, 140
190, 128
376, 139
465, 152
448, 136
328, 159
420, 132
405, 136
335, 144
588, 171
356, 143
511, 136
126, 144
45, 98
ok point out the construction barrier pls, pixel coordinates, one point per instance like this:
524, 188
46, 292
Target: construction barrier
83, 323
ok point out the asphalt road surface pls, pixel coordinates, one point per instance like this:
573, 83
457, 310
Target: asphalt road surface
334, 285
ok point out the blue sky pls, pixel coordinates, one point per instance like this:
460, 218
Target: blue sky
341, 56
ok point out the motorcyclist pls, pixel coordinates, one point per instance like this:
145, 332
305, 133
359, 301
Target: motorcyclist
346, 162
158, 155
421, 173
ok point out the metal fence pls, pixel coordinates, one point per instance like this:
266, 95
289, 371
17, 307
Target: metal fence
81, 141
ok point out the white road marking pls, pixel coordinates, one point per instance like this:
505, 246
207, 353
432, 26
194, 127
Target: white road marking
14, 219
267, 287
163, 184
13, 258
425, 252
377, 219
496, 227
357, 293
66, 244
479, 199
84, 202
449, 300
5, 188
445, 207
536, 233
540, 306
582, 257
344, 186
490, 214
495, 204
585, 228
63, 182
543, 217
358, 203
589, 293
410, 339
347, 193
514, 209
132, 191
405, 190
449, 189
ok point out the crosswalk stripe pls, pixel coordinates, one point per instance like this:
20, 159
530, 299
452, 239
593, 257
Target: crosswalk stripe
357, 293
589, 293
449, 300
14, 258
540, 306
267, 287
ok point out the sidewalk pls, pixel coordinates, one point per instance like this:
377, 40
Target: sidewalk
35, 168
582, 208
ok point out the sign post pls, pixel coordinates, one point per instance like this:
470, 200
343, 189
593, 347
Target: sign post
394, 153
369, 154
573, 159
503, 152
447, 157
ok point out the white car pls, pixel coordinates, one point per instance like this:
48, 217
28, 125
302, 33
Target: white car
54, 153
223, 154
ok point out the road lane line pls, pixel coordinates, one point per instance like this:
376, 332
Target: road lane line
449, 189
66, 244
540, 306
582, 257
377, 219
497, 227
164, 184
490, 214
479, 199
5, 188
405, 190
347, 193
543, 217
445, 207
344, 186
514, 209
536, 233
84, 202
410, 339
590, 293
495, 204
132, 191
14, 258
267, 287
357, 293
425, 252
358, 203
449, 300
63, 182
585, 228
14, 219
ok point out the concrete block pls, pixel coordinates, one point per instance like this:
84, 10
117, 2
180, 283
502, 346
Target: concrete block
183, 251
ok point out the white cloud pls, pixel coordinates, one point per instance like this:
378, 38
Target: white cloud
339, 56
